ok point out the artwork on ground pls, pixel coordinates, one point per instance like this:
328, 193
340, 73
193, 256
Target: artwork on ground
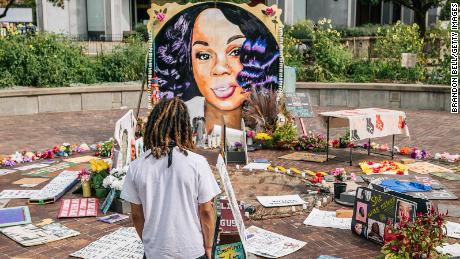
113, 218
82, 207
14, 216
32, 166
30, 235
375, 211
80, 159
45, 172
125, 128
55, 188
327, 219
230, 251
6, 171
17, 194
426, 168
280, 201
271, 245
121, 244
219, 51
306, 156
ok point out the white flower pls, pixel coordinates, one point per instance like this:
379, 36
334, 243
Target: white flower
108, 181
17, 157
118, 184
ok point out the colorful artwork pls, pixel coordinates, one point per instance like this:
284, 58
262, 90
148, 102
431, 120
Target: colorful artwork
124, 136
14, 216
427, 168
47, 171
383, 167
230, 251
221, 51
83, 207
375, 211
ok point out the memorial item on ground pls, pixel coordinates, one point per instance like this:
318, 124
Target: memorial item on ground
48, 171
383, 167
114, 183
451, 249
426, 168
233, 250
35, 181
256, 166
404, 186
113, 218
451, 210
280, 201
57, 187
341, 213
32, 166
305, 156
99, 171
451, 176
6, 171
17, 194
227, 221
84, 176
417, 238
81, 159
328, 219
121, 244
271, 245
13, 216
376, 212
80, 207
4, 202
125, 129
340, 176
453, 229
30, 235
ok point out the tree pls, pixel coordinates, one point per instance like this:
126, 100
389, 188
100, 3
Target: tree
7, 4
420, 8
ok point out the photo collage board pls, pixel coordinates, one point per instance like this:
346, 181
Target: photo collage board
375, 212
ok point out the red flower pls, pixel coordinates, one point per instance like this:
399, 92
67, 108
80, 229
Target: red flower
370, 163
394, 248
269, 11
55, 149
400, 172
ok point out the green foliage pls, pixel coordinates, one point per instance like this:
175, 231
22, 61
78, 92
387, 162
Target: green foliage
361, 31
331, 58
301, 30
445, 10
141, 31
48, 60
285, 134
397, 39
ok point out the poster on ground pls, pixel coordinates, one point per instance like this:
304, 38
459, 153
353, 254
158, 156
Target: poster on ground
280, 201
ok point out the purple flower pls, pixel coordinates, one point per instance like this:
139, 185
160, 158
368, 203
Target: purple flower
9, 163
413, 155
365, 146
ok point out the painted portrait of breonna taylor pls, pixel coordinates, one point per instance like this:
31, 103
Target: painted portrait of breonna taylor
216, 50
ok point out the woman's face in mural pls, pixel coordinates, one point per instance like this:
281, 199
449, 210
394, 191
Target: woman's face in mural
216, 47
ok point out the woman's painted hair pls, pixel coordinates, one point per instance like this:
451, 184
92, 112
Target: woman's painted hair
259, 53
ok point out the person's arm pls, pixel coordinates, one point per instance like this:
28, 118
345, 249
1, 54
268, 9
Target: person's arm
208, 221
138, 218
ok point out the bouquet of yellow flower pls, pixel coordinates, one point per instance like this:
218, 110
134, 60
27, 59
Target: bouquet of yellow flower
265, 139
99, 165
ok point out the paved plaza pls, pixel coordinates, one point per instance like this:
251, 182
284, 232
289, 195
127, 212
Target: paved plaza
434, 131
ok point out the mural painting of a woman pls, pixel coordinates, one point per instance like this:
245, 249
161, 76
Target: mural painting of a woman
219, 51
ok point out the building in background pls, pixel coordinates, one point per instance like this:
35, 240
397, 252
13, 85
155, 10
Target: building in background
349, 13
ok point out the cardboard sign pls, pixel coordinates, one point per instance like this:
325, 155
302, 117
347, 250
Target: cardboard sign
56, 188
81, 159
6, 171
305, 156
35, 181
298, 104
45, 172
451, 176
121, 244
32, 166
14, 216
113, 218
271, 245
227, 221
30, 235
280, 201
17, 194
327, 219
375, 211
74, 208
427, 168
222, 168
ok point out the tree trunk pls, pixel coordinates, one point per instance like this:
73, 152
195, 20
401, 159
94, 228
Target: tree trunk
420, 20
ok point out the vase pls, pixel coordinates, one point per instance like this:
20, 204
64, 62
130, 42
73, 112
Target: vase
101, 192
86, 187
249, 141
338, 189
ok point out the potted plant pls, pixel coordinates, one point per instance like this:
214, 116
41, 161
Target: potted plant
99, 169
416, 239
265, 140
84, 176
285, 135
339, 186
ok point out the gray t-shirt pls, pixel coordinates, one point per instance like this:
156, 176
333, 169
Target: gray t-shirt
170, 198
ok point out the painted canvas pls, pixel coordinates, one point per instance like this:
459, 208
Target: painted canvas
125, 128
14, 216
220, 51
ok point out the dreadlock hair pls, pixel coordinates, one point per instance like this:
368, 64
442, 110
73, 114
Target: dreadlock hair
169, 121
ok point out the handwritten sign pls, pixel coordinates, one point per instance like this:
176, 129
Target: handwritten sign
280, 201
230, 251
298, 104
227, 221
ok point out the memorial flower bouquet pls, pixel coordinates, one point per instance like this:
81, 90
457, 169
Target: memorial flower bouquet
312, 142
84, 176
417, 239
100, 170
115, 180
264, 139
339, 174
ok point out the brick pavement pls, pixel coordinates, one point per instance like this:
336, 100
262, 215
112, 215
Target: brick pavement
87, 127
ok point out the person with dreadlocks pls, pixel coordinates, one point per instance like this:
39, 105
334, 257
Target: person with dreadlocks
171, 189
